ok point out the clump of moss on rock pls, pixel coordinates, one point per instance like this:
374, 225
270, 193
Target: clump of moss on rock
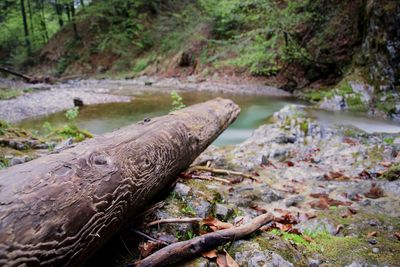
393, 173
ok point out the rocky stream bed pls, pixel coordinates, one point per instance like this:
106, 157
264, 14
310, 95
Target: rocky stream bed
334, 191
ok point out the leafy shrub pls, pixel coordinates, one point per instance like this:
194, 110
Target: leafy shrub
177, 101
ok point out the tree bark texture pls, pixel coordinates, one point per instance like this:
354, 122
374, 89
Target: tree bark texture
58, 209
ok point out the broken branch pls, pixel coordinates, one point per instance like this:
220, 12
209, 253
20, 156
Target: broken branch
222, 171
184, 250
175, 220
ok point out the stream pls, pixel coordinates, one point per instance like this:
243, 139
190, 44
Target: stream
255, 111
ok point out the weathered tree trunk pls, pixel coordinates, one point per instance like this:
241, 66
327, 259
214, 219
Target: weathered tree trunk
26, 31
58, 209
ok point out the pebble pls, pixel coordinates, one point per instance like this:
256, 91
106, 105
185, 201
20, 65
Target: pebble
182, 190
372, 241
375, 250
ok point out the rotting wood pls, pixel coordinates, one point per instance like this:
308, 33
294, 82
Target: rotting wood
180, 251
59, 209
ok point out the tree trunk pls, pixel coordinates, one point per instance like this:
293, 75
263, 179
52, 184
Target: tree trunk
26, 31
58, 209
59, 9
72, 7
30, 17
82, 3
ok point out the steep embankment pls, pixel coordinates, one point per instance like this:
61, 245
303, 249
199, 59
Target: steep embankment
345, 53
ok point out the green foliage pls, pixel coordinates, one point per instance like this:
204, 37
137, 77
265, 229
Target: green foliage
3, 127
188, 210
389, 140
3, 163
69, 130
266, 33
142, 63
177, 101
318, 95
72, 114
12, 40
355, 103
392, 174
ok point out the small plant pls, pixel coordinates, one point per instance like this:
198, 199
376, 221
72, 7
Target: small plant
188, 210
177, 101
72, 114
392, 174
389, 140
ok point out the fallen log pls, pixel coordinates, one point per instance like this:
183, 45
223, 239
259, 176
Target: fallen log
180, 251
59, 209
27, 78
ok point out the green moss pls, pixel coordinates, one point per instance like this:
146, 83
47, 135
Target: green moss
389, 140
355, 103
304, 127
318, 95
345, 89
392, 174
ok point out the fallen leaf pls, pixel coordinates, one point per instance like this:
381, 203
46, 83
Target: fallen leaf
371, 234
324, 202
257, 208
216, 224
212, 254
350, 141
374, 192
337, 176
148, 247
397, 235
339, 228
286, 218
221, 260
230, 261
386, 164
352, 210
364, 175
289, 163
308, 238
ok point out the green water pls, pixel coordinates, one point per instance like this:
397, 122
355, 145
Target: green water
99, 119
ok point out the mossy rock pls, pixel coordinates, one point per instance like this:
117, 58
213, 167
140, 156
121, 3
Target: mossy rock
392, 174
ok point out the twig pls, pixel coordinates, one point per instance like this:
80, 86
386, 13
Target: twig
180, 251
149, 237
222, 171
175, 220
209, 178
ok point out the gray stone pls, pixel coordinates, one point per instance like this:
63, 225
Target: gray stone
202, 209
313, 262
357, 264
222, 211
182, 190
375, 250
293, 201
18, 160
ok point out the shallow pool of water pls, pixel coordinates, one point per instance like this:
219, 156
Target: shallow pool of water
255, 110
103, 118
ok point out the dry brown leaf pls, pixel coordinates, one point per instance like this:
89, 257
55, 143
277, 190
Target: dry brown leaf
230, 261
212, 254
371, 234
374, 192
148, 247
221, 260
308, 238
386, 163
216, 224
397, 235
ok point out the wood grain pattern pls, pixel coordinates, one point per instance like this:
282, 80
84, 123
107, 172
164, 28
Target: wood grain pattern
58, 209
